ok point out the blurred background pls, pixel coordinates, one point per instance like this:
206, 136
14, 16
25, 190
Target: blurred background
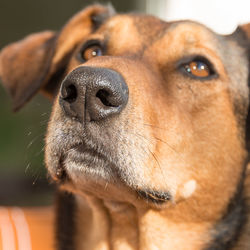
23, 179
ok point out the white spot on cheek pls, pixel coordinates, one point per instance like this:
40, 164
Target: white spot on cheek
153, 247
188, 188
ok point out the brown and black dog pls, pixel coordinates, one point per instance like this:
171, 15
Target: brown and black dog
149, 129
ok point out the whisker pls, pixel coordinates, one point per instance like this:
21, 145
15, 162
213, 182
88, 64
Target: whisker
34, 139
39, 152
44, 122
27, 168
158, 163
36, 178
159, 139
44, 114
154, 126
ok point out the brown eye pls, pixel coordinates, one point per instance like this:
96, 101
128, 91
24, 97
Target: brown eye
90, 52
198, 69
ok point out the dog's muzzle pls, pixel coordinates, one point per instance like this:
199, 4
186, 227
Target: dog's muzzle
93, 94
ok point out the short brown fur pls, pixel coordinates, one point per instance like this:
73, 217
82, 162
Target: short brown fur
177, 135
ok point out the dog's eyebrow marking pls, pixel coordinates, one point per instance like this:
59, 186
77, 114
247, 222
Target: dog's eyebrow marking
188, 188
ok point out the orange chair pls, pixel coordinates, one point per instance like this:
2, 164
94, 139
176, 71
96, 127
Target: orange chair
26, 228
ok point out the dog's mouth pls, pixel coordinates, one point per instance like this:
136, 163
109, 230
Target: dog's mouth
61, 174
80, 163
82, 156
154, 197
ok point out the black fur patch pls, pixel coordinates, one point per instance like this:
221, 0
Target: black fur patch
241, 38
155, 197
228, 229
65, 221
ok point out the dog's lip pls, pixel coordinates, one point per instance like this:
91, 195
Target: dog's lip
155, 197
61, 174
81, 148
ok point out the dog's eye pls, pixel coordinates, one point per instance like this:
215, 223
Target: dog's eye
199, 68
90, 52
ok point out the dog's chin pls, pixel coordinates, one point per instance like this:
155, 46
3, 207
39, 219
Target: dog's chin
80, 165
92, 173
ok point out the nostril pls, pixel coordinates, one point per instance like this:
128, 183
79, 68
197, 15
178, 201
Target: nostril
70, 94
92, 94
105, 98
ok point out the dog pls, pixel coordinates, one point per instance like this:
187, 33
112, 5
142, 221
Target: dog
148, 138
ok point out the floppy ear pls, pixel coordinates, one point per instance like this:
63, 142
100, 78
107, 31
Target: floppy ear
25, 64
246, 43
246, 29
39, 61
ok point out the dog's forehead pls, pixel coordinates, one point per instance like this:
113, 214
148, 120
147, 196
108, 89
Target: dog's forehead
150, 28
140, 31
144, 25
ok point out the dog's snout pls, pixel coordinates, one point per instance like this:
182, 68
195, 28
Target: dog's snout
94, 93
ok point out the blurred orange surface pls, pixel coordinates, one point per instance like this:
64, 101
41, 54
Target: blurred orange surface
26, 228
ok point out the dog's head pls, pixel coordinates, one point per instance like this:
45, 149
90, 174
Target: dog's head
145, 111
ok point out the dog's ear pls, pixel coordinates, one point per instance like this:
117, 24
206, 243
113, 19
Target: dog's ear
246, 29
25, 64
245, 42
39, 60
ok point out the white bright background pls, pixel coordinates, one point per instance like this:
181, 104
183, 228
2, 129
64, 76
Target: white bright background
223, 16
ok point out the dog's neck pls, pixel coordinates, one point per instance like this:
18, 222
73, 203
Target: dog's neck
110, 225
107, 225
91, 223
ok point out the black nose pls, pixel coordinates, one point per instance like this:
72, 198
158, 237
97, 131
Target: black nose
93, 94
